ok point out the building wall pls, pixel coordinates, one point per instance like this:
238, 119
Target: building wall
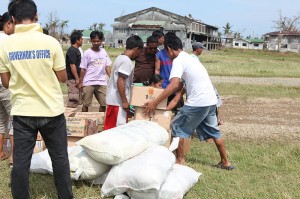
246, 45
183, 27
285, 43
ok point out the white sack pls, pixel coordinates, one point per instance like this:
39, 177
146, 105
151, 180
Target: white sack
123, 142
82, 166
41, 163
179, 181
144, 172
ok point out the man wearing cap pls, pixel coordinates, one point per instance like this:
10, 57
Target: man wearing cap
197, 49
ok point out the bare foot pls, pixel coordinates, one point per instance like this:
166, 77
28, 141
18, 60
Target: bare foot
3, 156
210, 140
180, 161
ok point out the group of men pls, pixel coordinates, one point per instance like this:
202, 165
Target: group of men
37, 103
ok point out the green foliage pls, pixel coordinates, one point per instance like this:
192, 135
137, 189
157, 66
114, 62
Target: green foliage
251, 63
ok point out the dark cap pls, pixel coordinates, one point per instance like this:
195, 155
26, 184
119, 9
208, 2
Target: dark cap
197, 45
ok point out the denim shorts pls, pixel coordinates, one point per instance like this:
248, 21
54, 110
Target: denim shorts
203, 119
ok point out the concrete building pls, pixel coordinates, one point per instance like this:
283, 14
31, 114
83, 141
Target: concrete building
283, 41
144, 22
255, 44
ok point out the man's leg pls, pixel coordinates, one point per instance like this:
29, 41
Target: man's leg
180, 159
222, 151
25, 133
11, 160
54, 133
209, 129
87, 97
3, 122
100, 94
2, 154
183, 125
73, 94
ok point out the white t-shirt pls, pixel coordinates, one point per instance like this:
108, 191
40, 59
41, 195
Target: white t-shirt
200, 91
2, 36
124, 65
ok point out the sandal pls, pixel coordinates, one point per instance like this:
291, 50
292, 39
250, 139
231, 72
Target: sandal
229, 168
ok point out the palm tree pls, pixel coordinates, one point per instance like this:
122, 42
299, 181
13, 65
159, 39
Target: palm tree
227, 28
101, 25
63, 25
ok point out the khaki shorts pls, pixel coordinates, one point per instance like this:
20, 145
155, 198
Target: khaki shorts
74, 94
99, 91
5, 107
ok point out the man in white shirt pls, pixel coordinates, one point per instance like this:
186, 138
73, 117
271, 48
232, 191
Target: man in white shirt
199, 110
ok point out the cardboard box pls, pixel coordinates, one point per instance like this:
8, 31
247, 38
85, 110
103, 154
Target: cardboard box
73, 140
142, 94
163, 118
81, 126
76, 127
99, 115
70, 112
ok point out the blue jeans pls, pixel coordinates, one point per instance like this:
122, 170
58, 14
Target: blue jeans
54, 133
203, 119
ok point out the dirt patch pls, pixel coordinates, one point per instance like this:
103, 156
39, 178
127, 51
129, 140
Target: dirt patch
275, 119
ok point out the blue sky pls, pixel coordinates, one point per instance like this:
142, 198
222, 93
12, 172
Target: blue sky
249, 17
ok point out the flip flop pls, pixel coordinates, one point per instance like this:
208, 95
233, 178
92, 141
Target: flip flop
229, 168
10, 165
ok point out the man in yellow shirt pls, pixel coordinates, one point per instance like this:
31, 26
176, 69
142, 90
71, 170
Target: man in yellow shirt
32, 65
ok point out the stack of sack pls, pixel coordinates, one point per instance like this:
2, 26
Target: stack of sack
130, 158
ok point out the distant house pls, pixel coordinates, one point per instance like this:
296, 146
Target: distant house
144, 22
284, 41
256, 44
107, 37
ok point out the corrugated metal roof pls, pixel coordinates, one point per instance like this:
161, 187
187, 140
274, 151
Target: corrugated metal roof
86, 33
256, 40
284, 33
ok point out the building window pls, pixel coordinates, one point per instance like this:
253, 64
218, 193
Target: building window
236, 44
244, 44
120, 41
256, 45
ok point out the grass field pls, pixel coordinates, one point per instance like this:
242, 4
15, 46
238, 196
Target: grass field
266, 168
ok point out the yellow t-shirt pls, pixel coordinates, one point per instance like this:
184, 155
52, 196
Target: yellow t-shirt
31, 57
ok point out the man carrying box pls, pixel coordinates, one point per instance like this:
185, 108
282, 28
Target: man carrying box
119, 87
199, 110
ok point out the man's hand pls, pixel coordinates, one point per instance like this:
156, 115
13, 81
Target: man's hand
77, 82
150, 107
125, 106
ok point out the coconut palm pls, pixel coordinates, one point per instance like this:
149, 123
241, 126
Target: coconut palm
101, 25
227, 28
63, 24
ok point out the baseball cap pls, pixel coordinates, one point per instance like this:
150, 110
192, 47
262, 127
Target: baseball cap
197, 45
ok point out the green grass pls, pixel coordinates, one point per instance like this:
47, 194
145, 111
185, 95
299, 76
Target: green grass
244, 63
251, 63
248, 90
264, 170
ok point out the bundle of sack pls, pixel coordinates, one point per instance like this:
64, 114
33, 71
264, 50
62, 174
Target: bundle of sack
128, 159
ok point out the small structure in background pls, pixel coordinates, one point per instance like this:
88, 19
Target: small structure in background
255, 44
144, 22
107, 41
283, 41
